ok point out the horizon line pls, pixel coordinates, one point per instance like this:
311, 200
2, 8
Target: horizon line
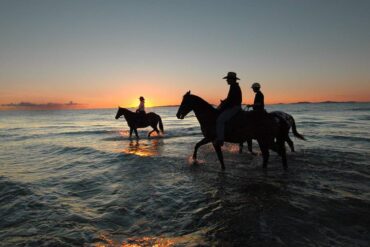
24, 108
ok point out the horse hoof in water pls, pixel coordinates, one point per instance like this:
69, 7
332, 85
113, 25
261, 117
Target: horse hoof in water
195, 162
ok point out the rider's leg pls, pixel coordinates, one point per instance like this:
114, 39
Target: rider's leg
221, 120
220, 126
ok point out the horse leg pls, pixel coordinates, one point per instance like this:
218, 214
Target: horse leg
150, 133
249, 142
290, 143
198, 145
131, 129
155, 129
137, 136
265, 151
219, 155
282, 152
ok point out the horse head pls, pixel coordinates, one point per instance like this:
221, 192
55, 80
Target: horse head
120, 112
185, 106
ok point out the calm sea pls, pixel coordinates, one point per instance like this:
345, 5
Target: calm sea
74, 178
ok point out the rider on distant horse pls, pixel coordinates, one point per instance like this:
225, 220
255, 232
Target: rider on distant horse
258, 104
228, 107
141, 111
141, 108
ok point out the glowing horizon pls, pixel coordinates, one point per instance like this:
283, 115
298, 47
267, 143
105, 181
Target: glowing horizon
101, 55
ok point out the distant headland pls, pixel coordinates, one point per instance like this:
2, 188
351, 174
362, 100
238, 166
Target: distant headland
322, 102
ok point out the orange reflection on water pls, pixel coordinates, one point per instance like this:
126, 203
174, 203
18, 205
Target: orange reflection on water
148, 241
137, 242
124, 133
144, 149
184, 240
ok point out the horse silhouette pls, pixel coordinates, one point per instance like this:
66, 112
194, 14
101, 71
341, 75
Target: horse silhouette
290, 123
138, 120
242, 127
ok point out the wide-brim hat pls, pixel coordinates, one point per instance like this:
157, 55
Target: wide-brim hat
231, 75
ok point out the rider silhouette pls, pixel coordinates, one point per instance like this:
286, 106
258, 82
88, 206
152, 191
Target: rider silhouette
141, 111
228, 107
259, 104
141, 107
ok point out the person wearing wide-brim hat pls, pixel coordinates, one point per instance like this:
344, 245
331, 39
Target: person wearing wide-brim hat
228, 107
258, 104
141, 108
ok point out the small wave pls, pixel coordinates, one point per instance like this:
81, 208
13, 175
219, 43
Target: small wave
309, 124
80, 150
7, 135
115, 138
67, 150
360, 109
171, 133
88, 132
10, 189
349, 138
12, 129
366, 118
108, 157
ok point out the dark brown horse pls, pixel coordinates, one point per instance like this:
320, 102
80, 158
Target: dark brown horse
288, 121
244, 126
137, 120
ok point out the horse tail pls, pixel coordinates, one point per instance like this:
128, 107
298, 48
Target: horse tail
160, 124
294, 129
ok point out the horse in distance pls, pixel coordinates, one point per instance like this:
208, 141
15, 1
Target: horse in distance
136, 121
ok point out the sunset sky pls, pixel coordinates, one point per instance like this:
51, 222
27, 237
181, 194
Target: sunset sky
108, 53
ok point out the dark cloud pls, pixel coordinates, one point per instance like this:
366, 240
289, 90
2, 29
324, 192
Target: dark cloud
50, 105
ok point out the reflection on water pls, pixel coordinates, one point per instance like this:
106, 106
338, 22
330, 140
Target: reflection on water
185, 240
139, 242
143, 148
124, 133
64, 180
149, 241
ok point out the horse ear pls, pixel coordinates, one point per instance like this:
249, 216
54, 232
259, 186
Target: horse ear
188, 93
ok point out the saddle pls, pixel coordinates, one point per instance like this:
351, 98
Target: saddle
141, 118
247, 119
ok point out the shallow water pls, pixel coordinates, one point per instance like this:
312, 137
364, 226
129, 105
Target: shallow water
74, 178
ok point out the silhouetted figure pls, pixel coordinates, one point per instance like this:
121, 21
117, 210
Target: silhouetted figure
284, 119
245, 125
141, 107
141, 111
228, 107
152, 120
259, 103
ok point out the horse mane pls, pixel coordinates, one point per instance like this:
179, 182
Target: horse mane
201, 102
125, 111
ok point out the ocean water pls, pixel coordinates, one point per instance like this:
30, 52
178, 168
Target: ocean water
74, 178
